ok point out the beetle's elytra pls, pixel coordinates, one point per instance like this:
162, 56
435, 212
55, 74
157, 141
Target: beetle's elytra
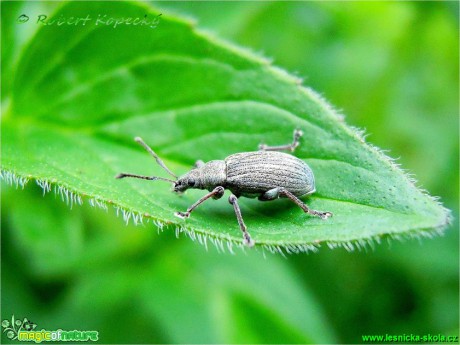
252, 174
265, 174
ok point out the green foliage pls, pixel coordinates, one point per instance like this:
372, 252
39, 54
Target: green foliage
192, 97
193, 296
390, 66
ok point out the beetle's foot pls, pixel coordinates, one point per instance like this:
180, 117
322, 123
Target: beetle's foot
324, 215
183, 215
297, 133
263, 147
248, 241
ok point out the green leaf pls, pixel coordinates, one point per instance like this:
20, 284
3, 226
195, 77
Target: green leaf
243, 300
74, 109
161, 290
203, 297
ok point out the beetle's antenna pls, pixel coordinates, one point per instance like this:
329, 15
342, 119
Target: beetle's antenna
154, 155
151, 178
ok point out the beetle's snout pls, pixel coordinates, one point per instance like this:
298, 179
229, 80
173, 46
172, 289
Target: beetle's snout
180, 186
189, 180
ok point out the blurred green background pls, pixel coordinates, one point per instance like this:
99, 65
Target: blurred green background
391, 68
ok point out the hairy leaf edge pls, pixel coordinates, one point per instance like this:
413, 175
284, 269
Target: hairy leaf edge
221, 242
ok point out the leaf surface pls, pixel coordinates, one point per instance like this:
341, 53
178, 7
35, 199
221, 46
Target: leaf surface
75, 106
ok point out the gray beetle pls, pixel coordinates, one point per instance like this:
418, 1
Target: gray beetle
265, 174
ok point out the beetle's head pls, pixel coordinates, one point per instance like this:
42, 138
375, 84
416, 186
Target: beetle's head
189, 180
192, 179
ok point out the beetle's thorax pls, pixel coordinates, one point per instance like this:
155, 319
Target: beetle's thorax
211, 175
207, 176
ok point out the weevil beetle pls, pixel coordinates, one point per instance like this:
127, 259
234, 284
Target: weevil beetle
266, 174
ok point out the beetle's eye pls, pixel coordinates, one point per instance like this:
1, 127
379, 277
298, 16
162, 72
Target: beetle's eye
191, 182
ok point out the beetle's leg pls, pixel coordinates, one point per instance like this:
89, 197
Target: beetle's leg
292, 146
217, 193
247, 240
198, 164
277, 192
305, 208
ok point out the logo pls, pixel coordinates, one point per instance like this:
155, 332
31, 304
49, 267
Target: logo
25, 330
22, 19
12, 329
